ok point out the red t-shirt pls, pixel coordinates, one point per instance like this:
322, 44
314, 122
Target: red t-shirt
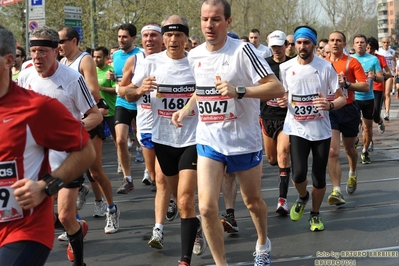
30, 125
379, 86
353, 72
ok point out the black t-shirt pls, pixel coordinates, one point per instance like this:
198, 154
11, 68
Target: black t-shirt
269, 109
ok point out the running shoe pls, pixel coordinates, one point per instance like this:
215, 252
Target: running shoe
81, 200
139, 155
200, 242
183, 263
381, 128
129, 143
316, 223
125, 187
146, 178
262, 258
100, 209
371, 147
112, 219
172, 211
85, 228
119, 171
335, 198
351, 184
365, 158
153, 187
282, 207
156, 240
230, 224
386, 117
63, 237
297, 209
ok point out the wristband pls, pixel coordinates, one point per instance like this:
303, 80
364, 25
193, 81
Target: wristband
117, 89
375, 78
53, 185
102, 104
188, 109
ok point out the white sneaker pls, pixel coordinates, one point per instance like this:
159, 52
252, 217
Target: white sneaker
63, 237
100, 208
112, 220
146, 178
119, 170
81, 200
282, 207
200, 242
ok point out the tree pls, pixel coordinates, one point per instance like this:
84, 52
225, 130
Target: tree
350, 16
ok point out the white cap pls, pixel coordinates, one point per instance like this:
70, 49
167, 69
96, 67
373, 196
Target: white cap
277, 37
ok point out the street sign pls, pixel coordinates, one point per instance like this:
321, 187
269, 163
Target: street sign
72, 9
36, 2
37, 9
80, 31
73, 23
35, 23
73, 16
37, 12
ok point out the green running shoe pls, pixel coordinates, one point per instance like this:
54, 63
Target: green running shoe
315, 223
297, 210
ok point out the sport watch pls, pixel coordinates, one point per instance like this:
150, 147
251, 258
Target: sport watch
331, 106
53, 185
347, 84
241, 90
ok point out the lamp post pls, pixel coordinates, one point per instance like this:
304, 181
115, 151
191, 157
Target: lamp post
94, 35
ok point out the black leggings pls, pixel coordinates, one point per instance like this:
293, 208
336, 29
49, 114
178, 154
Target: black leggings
300, 149
24, 253
378, 100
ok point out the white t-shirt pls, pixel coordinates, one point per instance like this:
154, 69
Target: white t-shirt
389, 57
144, 119
176, 85
66, 85
304, 83
265, 51
230, 126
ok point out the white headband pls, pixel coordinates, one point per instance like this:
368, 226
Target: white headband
151, 27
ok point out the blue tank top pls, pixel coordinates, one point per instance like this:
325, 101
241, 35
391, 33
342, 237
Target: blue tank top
119, 60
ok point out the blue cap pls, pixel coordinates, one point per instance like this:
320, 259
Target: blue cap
233, 35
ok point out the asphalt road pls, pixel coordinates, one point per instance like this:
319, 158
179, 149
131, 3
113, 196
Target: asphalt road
364, 231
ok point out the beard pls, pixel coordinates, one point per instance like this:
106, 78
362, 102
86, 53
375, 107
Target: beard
303, 54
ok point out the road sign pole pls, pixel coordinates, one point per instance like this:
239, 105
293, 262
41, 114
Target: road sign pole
26, 27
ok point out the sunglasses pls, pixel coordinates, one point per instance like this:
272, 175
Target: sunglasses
63, 41
18, 55
321, 47
292, 43
351, 53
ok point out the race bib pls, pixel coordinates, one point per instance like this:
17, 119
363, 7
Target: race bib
213, 107
10, 210
304, 110
173, 98
146, 102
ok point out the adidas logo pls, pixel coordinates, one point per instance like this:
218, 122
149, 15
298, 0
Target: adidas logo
316, 72
225, 63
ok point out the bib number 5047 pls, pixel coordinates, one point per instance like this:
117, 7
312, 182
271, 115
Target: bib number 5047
212, 107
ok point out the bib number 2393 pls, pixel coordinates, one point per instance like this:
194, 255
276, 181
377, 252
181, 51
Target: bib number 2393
10, 210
